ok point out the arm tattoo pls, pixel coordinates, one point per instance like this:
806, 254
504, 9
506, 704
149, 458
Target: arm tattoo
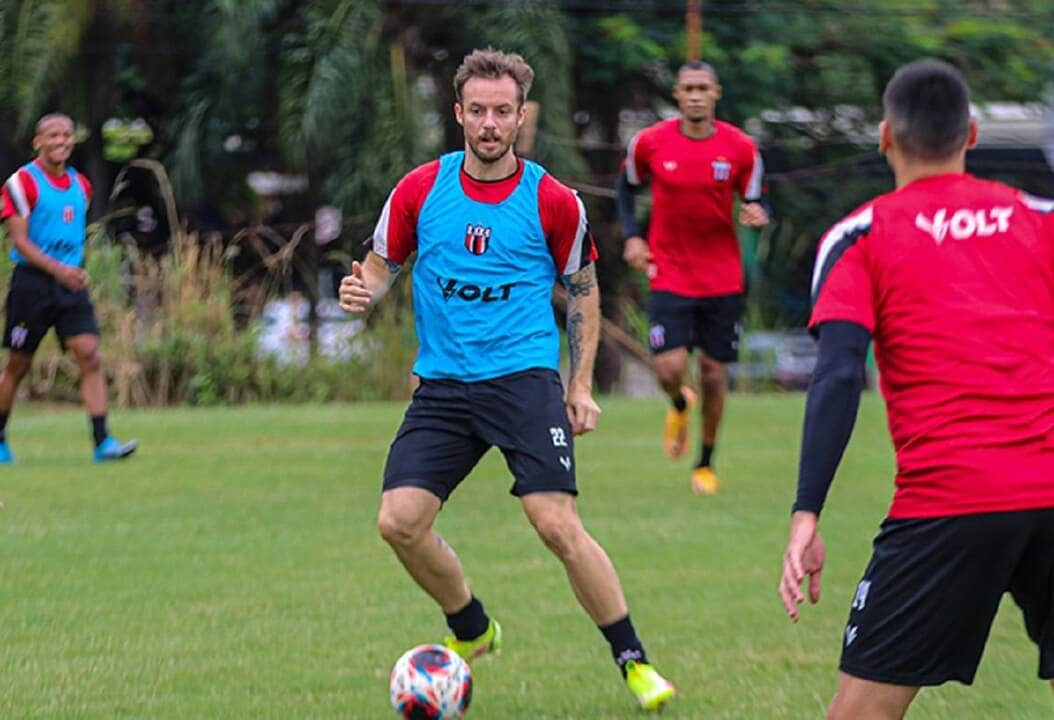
574, 338
581, 283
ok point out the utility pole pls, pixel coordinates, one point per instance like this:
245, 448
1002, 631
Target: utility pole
693, 21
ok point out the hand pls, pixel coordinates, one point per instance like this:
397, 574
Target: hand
804, 556
354, 295
636, 253
753, 215
582, 410
72, 278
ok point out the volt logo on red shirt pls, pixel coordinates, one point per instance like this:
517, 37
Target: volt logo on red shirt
964, 224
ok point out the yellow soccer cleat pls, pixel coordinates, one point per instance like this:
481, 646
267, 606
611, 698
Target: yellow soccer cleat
675, 429
650, 688
704, 481
488, 642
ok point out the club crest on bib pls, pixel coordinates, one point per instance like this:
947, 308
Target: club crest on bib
477, 239
67, 214
722, 169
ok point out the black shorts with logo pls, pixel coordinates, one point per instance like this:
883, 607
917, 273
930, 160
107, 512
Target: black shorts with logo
923, 611
36, 302
450, 425
711, 324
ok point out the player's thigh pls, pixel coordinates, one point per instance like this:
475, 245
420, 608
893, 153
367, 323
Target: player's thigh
30, 309
1033, 588
923, 610
857, 698
435, 447
75, 318
716, 327
525, 416
670, 319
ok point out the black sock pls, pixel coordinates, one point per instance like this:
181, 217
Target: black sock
470, 621
707, 456
98, 428
625, 645
3, 427
680, 403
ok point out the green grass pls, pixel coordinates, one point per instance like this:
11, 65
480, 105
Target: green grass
232, 570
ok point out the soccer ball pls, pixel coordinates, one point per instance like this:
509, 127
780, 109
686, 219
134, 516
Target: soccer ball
430, 682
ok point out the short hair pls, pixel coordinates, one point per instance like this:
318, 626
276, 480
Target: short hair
927, 107
696, 65
493, 65
44, 120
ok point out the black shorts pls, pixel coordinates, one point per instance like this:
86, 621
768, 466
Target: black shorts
450, 424
36, 302
711, 324
922, 612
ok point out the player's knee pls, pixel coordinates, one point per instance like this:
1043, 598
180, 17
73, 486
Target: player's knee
89, 360
399, 530
712, 375
559, 534
18, 365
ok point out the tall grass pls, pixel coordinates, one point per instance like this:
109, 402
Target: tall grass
169, 337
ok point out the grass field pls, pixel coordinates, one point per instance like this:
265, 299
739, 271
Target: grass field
232, 570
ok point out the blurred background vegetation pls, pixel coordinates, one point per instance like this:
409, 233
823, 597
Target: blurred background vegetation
256, 113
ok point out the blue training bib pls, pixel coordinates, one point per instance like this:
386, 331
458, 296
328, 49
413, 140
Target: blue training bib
58, 220
483, 281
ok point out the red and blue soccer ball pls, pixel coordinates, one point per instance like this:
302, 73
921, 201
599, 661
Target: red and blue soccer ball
430, 682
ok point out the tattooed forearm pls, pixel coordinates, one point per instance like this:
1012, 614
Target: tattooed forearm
574, 340
583, 324
581, 283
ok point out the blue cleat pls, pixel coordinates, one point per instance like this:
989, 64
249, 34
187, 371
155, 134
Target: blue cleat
6, 458
111, 449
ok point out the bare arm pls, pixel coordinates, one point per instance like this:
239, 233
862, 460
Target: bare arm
367, 284
73, 278
583, 334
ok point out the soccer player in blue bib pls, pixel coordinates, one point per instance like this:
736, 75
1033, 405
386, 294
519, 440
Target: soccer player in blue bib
493, 233
45, 206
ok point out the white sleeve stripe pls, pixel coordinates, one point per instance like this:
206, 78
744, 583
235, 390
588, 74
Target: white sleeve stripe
380, 233
574, 257
631, 162
1039, 204
754, 185
852, 224
18, 195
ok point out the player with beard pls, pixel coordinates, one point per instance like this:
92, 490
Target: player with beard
45, 206
695, 165
493, 233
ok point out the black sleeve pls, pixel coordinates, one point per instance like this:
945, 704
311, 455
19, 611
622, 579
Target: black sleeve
626, 206
830, 409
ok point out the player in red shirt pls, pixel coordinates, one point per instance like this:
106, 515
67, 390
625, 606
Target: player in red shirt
696, 165
953, 277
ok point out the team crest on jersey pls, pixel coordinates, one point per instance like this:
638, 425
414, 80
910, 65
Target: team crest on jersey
477, 239
67, 214
722, 169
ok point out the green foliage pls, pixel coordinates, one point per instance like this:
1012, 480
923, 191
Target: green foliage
536, 30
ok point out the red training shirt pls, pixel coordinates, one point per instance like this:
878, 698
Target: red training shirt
954, 278
692, 236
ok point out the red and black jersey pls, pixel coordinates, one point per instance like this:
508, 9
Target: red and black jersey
954, 278
692, 234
